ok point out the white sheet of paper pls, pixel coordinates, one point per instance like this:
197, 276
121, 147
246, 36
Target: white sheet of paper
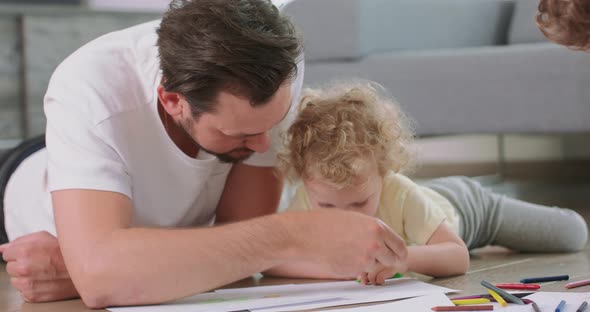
353, 293
424, 303
215, 302
293, 297
543, 297
548, 301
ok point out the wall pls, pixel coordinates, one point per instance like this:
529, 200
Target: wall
39, 38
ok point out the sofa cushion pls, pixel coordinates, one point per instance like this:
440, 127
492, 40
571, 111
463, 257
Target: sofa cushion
352, 29
330, 27
523, 28
433, 24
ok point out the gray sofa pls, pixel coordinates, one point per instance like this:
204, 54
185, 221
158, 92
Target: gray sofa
456, 66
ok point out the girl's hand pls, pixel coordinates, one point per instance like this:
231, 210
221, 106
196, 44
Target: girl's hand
381, 273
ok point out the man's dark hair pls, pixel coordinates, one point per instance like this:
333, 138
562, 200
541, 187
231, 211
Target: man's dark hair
245, 47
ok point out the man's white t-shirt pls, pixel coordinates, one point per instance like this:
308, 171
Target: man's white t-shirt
104, 133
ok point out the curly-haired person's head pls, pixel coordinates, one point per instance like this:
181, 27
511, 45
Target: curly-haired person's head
566, 22
342, 129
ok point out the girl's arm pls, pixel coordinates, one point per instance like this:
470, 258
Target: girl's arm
444, 254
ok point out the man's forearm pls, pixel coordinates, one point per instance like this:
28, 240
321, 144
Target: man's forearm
301, 270
144, 266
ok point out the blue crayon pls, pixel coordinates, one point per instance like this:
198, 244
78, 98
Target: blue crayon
545, 279
560, 306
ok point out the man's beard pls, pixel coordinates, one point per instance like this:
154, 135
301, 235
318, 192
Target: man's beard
244, 153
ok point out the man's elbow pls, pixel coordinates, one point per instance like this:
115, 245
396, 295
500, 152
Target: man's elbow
96, 286
92, 292
111, 293
94, 301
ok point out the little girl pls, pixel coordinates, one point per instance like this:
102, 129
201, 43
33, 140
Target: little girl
348, 146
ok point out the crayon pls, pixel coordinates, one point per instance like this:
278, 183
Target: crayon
577, 284
560, 306
530, 280
582, 307
519, 286
502, 293
464, 308
488, 296
470, 301
499, 299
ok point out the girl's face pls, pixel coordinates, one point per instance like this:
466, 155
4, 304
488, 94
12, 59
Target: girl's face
363, 196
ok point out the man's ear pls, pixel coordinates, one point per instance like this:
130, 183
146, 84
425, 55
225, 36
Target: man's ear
170, 101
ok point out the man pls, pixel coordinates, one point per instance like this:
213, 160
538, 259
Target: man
566, 22
139, 161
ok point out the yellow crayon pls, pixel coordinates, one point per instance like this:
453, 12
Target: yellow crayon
498, 298
470, 301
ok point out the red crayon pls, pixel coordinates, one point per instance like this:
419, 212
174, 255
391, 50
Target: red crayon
464, 308
519, 286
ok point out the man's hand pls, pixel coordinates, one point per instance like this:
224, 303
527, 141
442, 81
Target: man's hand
348, 244
37, 269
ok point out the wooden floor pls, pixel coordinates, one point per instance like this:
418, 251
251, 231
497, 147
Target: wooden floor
492, 263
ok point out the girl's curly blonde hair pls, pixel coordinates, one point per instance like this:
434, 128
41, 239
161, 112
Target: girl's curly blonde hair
566, 22
341, 127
